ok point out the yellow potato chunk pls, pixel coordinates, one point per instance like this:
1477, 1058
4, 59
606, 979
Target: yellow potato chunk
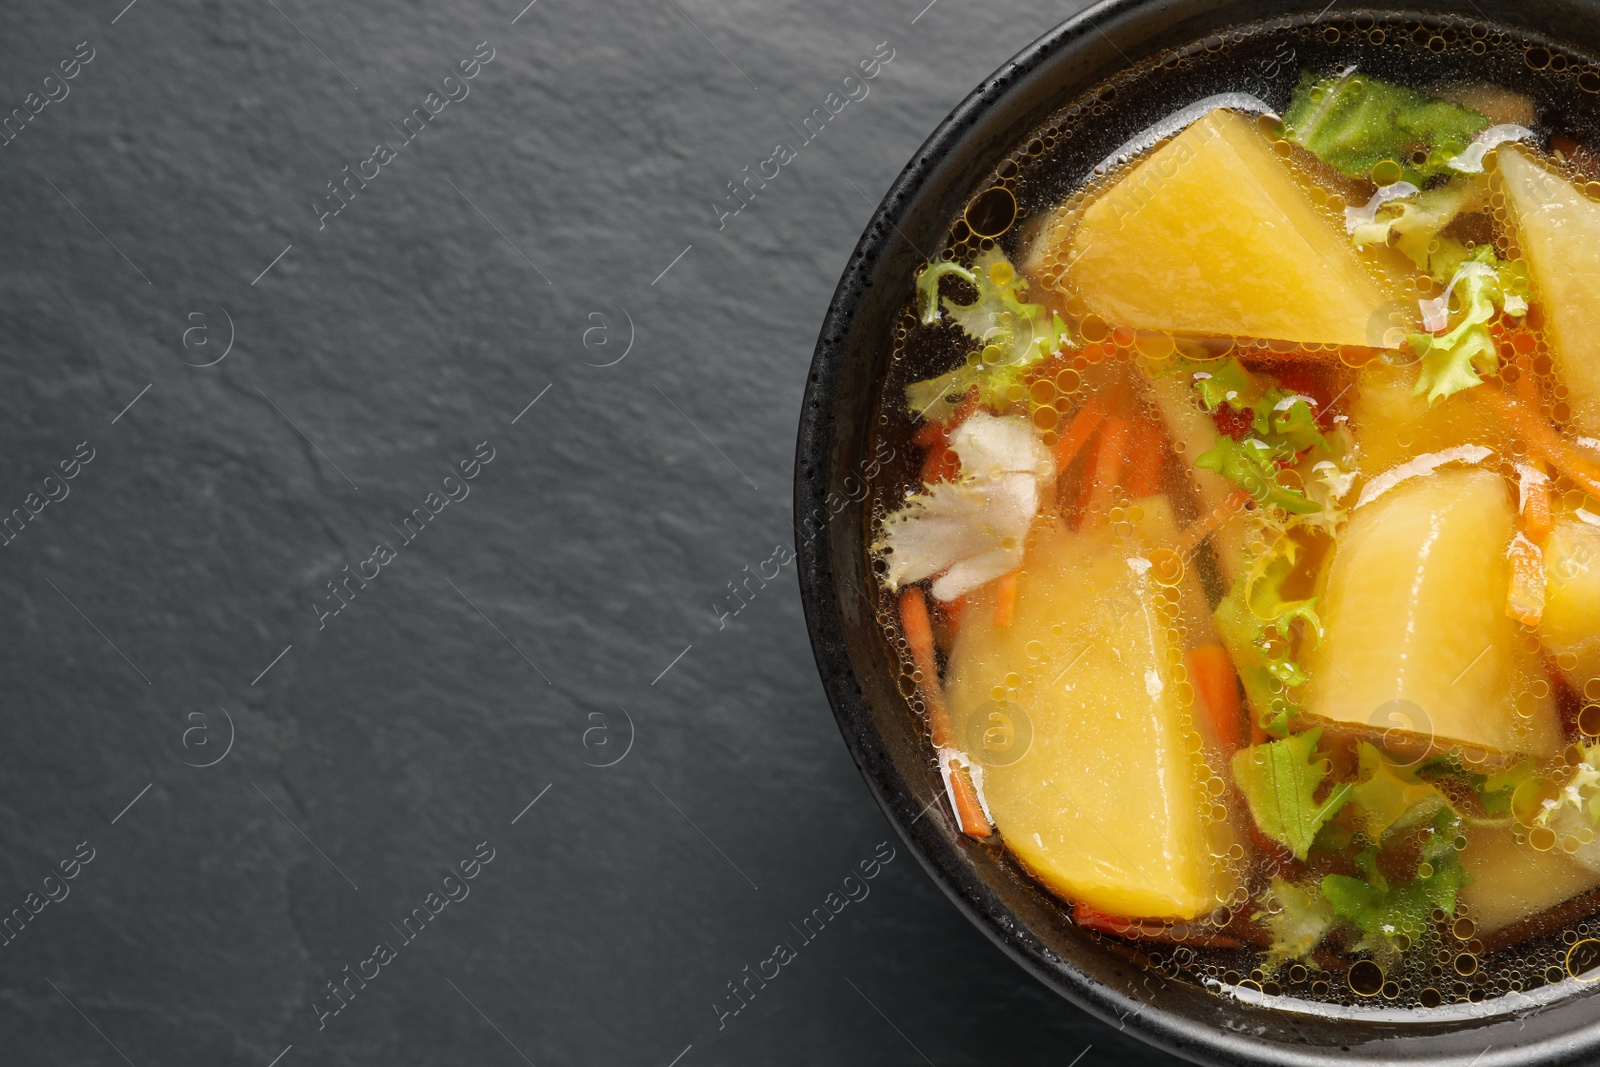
1558, 229
1571, 623
1214, 234
1109, 804
1415, 612
1510, 882
1393, 425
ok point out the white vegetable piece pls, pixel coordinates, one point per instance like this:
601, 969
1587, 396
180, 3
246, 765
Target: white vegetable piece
973, 529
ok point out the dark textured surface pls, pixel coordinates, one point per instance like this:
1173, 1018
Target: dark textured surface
598, 544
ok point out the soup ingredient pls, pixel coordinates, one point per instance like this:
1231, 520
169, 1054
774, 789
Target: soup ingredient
1414, 613
1385, 398
1392, 913
1353, 122
1509, 882
1471, 161
1211, 671
1260, 623
1414, 224
1526, 593
1013, 335
1391, 798
1529, 426
1497, 103
1192, 428
1452, 361
1215, 234
1280, 780
1558, 230
1107, 804
1534, 502
1282, 426
1571, 621
970, 531
964, 800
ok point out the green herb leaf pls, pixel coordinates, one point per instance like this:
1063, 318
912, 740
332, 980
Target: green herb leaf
1354, 122
1384, 912
1227, 381
1390, 799
1279, 781
1496, 791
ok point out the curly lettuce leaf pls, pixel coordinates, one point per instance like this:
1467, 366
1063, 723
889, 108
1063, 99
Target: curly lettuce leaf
1354, 121
1297, 918
1279, 781
1415, 225
1329, 485
1014, 335
1483, 287
1283, 425
1253, 464
1256, 622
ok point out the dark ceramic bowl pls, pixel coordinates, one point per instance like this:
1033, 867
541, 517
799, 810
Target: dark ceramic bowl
836, 467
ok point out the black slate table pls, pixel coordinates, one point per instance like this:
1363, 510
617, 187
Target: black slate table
403, 662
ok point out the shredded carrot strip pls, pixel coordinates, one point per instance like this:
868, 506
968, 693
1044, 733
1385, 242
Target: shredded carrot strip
1193, 537
1080, 507
919, 635
1525, 596
1109, 460
1212, 674
953, 610
1538, 513
1084, 424
941, 464
1005, 599
1538, 435
964, 798
918, 629
1146, 455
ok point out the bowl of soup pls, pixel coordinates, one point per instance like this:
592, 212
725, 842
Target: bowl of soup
1198, 493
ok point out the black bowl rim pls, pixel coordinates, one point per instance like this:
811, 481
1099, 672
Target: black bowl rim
955, 876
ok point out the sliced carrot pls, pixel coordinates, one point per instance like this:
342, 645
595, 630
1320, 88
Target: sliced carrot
964, 799
931, 434
919, 635
1005, 599
1538, 513
1525, 596
1080, 502
1083, 427
1147, 455
1212, 674
918, 629
941, 464
1109, 461
1538, 435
